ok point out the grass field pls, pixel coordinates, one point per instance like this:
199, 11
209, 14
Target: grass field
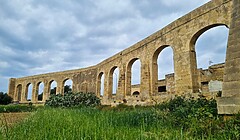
124, 123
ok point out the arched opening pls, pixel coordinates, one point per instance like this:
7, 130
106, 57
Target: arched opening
163, 70
209, 47
135, 93
40, 88
67, 86
100, 84
29, 89
113, 80
19, 92
133, 77
53, 87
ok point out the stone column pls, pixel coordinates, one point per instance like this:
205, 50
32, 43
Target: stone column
128, 74
230, 101
34, 92
154, 77
46, 91
24, 95
15, 97
60, 87
105, 93
145, 80
98, 87
11, 87
110, 84
185, 72
121, 84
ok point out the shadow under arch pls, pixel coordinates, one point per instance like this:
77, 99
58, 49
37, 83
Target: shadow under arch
110, 80
128, 78
40, 94
19, 92
29, 92
100, 84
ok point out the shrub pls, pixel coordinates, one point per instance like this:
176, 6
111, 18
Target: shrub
17, 108
73, 99
193, 115
5, 99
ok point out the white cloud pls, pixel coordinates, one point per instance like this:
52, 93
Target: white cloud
46, 36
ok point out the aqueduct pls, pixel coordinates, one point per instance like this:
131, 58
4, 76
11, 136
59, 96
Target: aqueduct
181, 35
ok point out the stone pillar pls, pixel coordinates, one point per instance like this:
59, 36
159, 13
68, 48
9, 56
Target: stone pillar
145, 80
24, 93
34, 92
230, 101
185, 69
110, 84
121, 84
98, 87
11, 87
15, 94
128, 81
46, 91
60, 87
105, 93
154, 78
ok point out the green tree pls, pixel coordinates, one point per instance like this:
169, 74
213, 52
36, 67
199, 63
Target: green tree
5, 99
67, 89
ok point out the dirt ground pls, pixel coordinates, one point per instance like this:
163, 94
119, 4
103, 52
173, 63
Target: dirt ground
12, 118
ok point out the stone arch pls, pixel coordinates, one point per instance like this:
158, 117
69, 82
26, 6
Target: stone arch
19, 92
40, 90
29, 92
67, 85
129, 75
135, 93
193, 58
200, 32
100, 84
52, 88
111, 82
155, 69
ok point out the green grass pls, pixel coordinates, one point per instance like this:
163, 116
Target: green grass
126, 123
17, 108
91, 124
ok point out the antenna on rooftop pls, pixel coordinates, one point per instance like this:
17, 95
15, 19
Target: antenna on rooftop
210, 62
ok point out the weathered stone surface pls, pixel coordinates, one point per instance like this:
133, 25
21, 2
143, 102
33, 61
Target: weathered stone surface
181, 36
228, 105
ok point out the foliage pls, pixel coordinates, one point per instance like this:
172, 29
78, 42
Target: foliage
53, 91
138, 123
181, 118
40, 97
67, 89
73, 99
5, 99
17, 108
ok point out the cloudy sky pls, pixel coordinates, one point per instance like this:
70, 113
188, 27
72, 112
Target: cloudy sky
47, 36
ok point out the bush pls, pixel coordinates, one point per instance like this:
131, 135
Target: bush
73, 99
16, 108
5, 99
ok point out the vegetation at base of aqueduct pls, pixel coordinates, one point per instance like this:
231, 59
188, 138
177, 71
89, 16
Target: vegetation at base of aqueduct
70, 99
181, 118
5, 99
